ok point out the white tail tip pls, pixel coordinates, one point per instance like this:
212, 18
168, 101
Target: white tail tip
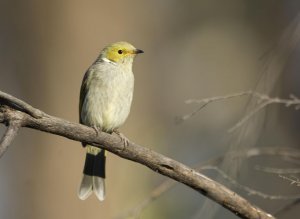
86, 187
90, 184
99, 187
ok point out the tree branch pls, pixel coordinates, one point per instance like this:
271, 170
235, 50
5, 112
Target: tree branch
8, 137
7, 99
262, 100
12, 109
168, 184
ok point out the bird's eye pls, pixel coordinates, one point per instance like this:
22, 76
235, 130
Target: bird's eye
120, 51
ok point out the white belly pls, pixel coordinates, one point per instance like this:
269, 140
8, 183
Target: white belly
108, 101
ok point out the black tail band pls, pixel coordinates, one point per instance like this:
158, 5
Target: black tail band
95, 164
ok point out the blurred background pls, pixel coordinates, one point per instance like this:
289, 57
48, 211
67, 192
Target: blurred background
193, 49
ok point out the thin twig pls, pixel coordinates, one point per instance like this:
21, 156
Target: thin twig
292, 160
283, 152
179, 120
292, 179
249, 190
9, 136
263, 100
218, 98
21, 105
278, 170
243, 120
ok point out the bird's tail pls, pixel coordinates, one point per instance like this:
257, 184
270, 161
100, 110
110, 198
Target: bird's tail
93, 174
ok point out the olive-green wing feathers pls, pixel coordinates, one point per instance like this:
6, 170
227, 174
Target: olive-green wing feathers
83, 92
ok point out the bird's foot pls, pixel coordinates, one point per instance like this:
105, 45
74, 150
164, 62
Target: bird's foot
123, 137
97, 129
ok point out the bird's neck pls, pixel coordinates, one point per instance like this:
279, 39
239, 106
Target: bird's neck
125, 63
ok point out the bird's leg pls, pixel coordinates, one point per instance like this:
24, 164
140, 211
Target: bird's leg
123, 137
97, 129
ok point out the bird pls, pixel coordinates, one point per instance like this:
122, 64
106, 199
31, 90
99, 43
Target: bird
105, 101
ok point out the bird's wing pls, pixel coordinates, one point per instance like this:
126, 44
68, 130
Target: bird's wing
83, 92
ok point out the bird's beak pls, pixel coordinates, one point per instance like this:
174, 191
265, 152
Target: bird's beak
138, 51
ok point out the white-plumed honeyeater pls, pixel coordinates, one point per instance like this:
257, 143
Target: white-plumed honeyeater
105, 100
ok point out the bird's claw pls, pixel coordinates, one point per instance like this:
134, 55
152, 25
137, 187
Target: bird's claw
97, 129
123, 137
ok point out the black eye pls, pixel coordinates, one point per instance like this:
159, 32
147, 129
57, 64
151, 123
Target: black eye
120, 51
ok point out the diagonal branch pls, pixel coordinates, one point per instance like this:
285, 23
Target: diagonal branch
168, 184
145, 156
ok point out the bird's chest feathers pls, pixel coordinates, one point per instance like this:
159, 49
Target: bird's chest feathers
110, 99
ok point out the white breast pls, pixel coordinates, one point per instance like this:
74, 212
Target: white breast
108, 101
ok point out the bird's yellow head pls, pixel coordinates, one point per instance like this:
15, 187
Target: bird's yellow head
120, 52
